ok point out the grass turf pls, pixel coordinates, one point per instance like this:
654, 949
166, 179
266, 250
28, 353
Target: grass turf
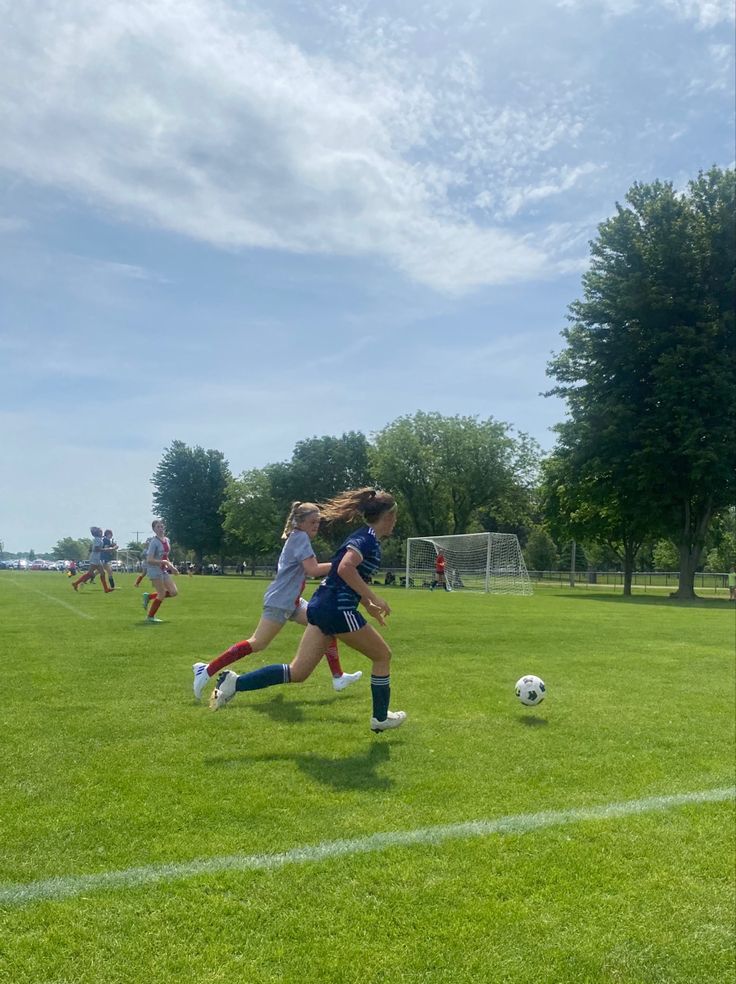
109, 764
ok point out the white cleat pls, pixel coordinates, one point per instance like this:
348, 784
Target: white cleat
201, 678
224, 691
394, 719
341, 682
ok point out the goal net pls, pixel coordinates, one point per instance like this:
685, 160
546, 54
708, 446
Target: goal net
488, 562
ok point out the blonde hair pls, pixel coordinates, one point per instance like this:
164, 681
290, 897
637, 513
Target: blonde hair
367, 503
298, 513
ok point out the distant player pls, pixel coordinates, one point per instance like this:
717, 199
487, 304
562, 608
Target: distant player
142, 560
160, 570
109, 549
282, 601
440, 580
95, 561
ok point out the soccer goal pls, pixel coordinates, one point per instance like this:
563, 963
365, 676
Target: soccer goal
488, 562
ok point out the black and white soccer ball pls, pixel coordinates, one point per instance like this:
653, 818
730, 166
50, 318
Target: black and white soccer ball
530, 690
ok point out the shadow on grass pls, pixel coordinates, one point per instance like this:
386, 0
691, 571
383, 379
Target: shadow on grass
532, 721
719, 604
290, 711
356, 772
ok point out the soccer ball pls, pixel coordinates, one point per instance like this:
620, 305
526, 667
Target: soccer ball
530, 690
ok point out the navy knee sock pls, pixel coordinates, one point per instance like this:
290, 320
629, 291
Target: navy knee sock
266, 676
381, 694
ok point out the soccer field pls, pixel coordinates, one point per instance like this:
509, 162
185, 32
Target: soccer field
145, 838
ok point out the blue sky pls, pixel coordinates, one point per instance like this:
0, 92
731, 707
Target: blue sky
241, 225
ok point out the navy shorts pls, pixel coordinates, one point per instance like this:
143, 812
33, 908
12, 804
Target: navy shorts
333, 622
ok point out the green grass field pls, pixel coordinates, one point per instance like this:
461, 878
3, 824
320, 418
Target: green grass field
145, 838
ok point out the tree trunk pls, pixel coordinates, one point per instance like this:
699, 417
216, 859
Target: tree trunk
689, 559
690, 549
629, 554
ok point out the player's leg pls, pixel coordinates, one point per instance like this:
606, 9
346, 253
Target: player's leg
266, 631
102, 571
156, 598
340, 679
372, 644
312, 647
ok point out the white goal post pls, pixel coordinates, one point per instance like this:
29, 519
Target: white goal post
487, 562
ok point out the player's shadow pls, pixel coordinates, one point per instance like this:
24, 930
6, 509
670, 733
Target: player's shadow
289, 711
532, 721
356, 772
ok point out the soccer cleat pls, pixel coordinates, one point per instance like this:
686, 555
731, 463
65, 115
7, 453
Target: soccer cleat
341, 682
201, 678
153, 620
224, 690
394, 719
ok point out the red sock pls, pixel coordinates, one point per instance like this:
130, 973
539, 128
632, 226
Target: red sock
154, 607
235, 652
103, 578
333, 659
138, 580
83, 578
152, 596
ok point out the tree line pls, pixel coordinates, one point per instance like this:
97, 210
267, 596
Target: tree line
644, 465
449, 474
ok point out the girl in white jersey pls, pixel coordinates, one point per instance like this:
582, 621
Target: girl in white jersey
282, 601
159, 569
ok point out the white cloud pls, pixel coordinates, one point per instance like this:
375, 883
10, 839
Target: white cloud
706, 13
205, 121
556, 182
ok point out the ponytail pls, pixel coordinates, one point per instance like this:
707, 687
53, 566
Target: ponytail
366, 503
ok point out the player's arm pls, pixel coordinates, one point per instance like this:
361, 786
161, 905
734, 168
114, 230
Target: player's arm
348, 571
312, 568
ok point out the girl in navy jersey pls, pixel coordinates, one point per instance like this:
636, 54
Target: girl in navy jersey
282, 601
333, 610
159, 569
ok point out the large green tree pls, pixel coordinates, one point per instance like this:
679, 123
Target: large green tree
320, 467
446, 469
189, 492
252, 518
649, 370
585, 498
70, 549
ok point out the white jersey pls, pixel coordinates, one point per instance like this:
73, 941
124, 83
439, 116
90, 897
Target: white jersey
286, 588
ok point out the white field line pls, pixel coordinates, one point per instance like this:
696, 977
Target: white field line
64, 887
65, 604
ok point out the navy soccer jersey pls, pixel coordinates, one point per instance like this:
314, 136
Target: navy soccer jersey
333, 592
